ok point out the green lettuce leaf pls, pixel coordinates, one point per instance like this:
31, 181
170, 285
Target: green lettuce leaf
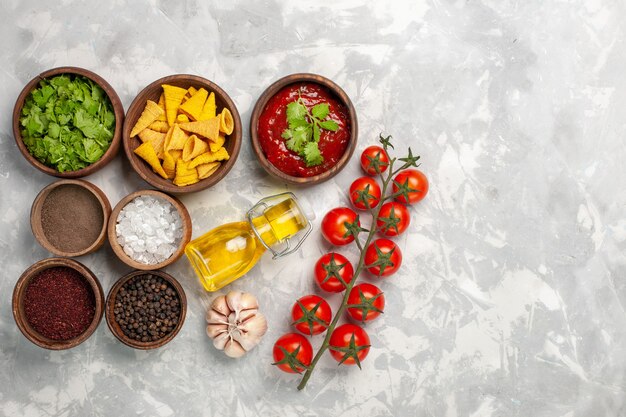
67, 122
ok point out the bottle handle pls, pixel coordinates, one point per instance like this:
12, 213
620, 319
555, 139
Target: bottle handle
288, 250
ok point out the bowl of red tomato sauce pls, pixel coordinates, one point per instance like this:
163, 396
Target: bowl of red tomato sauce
304, 129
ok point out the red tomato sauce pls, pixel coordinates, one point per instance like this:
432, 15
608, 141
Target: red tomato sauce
273, 121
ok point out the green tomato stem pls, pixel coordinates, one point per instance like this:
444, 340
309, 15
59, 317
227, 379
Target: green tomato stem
357, 241
357, 272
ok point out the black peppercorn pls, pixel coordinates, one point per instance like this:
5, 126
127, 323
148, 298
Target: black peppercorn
147, 308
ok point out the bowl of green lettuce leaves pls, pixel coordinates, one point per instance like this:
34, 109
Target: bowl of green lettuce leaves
67, 122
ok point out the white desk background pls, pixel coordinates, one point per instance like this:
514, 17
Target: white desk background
510, 301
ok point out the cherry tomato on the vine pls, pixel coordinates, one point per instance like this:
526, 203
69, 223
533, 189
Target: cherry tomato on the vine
365, 302
329, 268
393, 219
383, 257
413, 185
374, 159
336, 225
364, 193
349, 344
311, 314
292, 353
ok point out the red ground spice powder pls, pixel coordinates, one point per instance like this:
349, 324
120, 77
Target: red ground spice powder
59, 303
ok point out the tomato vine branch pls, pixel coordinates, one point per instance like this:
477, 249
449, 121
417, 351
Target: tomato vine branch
375, 212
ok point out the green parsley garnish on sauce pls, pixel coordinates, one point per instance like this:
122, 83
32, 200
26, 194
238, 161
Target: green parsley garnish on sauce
303, 134
67, 122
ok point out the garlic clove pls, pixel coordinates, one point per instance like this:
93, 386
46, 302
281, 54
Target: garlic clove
246, 314
256, 326
234, 350
213, 330
214, 317
220, 340
220, 305
248, 301
233, 300
247, 340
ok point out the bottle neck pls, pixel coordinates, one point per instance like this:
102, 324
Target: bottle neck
264, 229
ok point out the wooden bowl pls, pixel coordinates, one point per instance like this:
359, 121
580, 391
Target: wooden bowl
36, 216
260, 106
118, 109
117, 330
153, 92
19, 293
117, 248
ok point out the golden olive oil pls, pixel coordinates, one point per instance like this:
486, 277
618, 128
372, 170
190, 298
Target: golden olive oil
229, 251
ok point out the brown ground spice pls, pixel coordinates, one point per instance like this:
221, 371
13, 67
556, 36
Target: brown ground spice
71, 218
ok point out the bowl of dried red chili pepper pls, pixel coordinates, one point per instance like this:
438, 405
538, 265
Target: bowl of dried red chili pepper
58, 303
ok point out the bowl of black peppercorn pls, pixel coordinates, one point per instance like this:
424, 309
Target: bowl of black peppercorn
146, 309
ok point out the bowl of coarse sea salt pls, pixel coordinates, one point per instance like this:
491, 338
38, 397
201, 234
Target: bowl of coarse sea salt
149, 229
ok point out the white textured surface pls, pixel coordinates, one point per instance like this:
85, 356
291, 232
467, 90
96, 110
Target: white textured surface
511, 298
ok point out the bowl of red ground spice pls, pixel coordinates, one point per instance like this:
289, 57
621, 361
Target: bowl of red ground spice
58, 303
69, 217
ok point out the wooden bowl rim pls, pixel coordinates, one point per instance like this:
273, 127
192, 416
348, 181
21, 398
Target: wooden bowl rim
18, 297
35, 216
118, 110
274, 88
117, 248
152, 178
115, 328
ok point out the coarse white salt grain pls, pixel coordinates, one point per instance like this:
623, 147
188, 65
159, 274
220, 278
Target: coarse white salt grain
149, 229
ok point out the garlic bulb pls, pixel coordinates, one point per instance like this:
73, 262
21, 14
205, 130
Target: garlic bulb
235, 324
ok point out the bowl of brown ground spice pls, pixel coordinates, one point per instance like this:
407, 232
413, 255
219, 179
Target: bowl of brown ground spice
58, 303
69, 217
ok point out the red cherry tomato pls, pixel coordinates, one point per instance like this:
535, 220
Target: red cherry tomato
349, 344
331, 266
374, 159
364, 193
383, 257
413, 182
393, 219
291, 352
334, 225
365, 302
311, 314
